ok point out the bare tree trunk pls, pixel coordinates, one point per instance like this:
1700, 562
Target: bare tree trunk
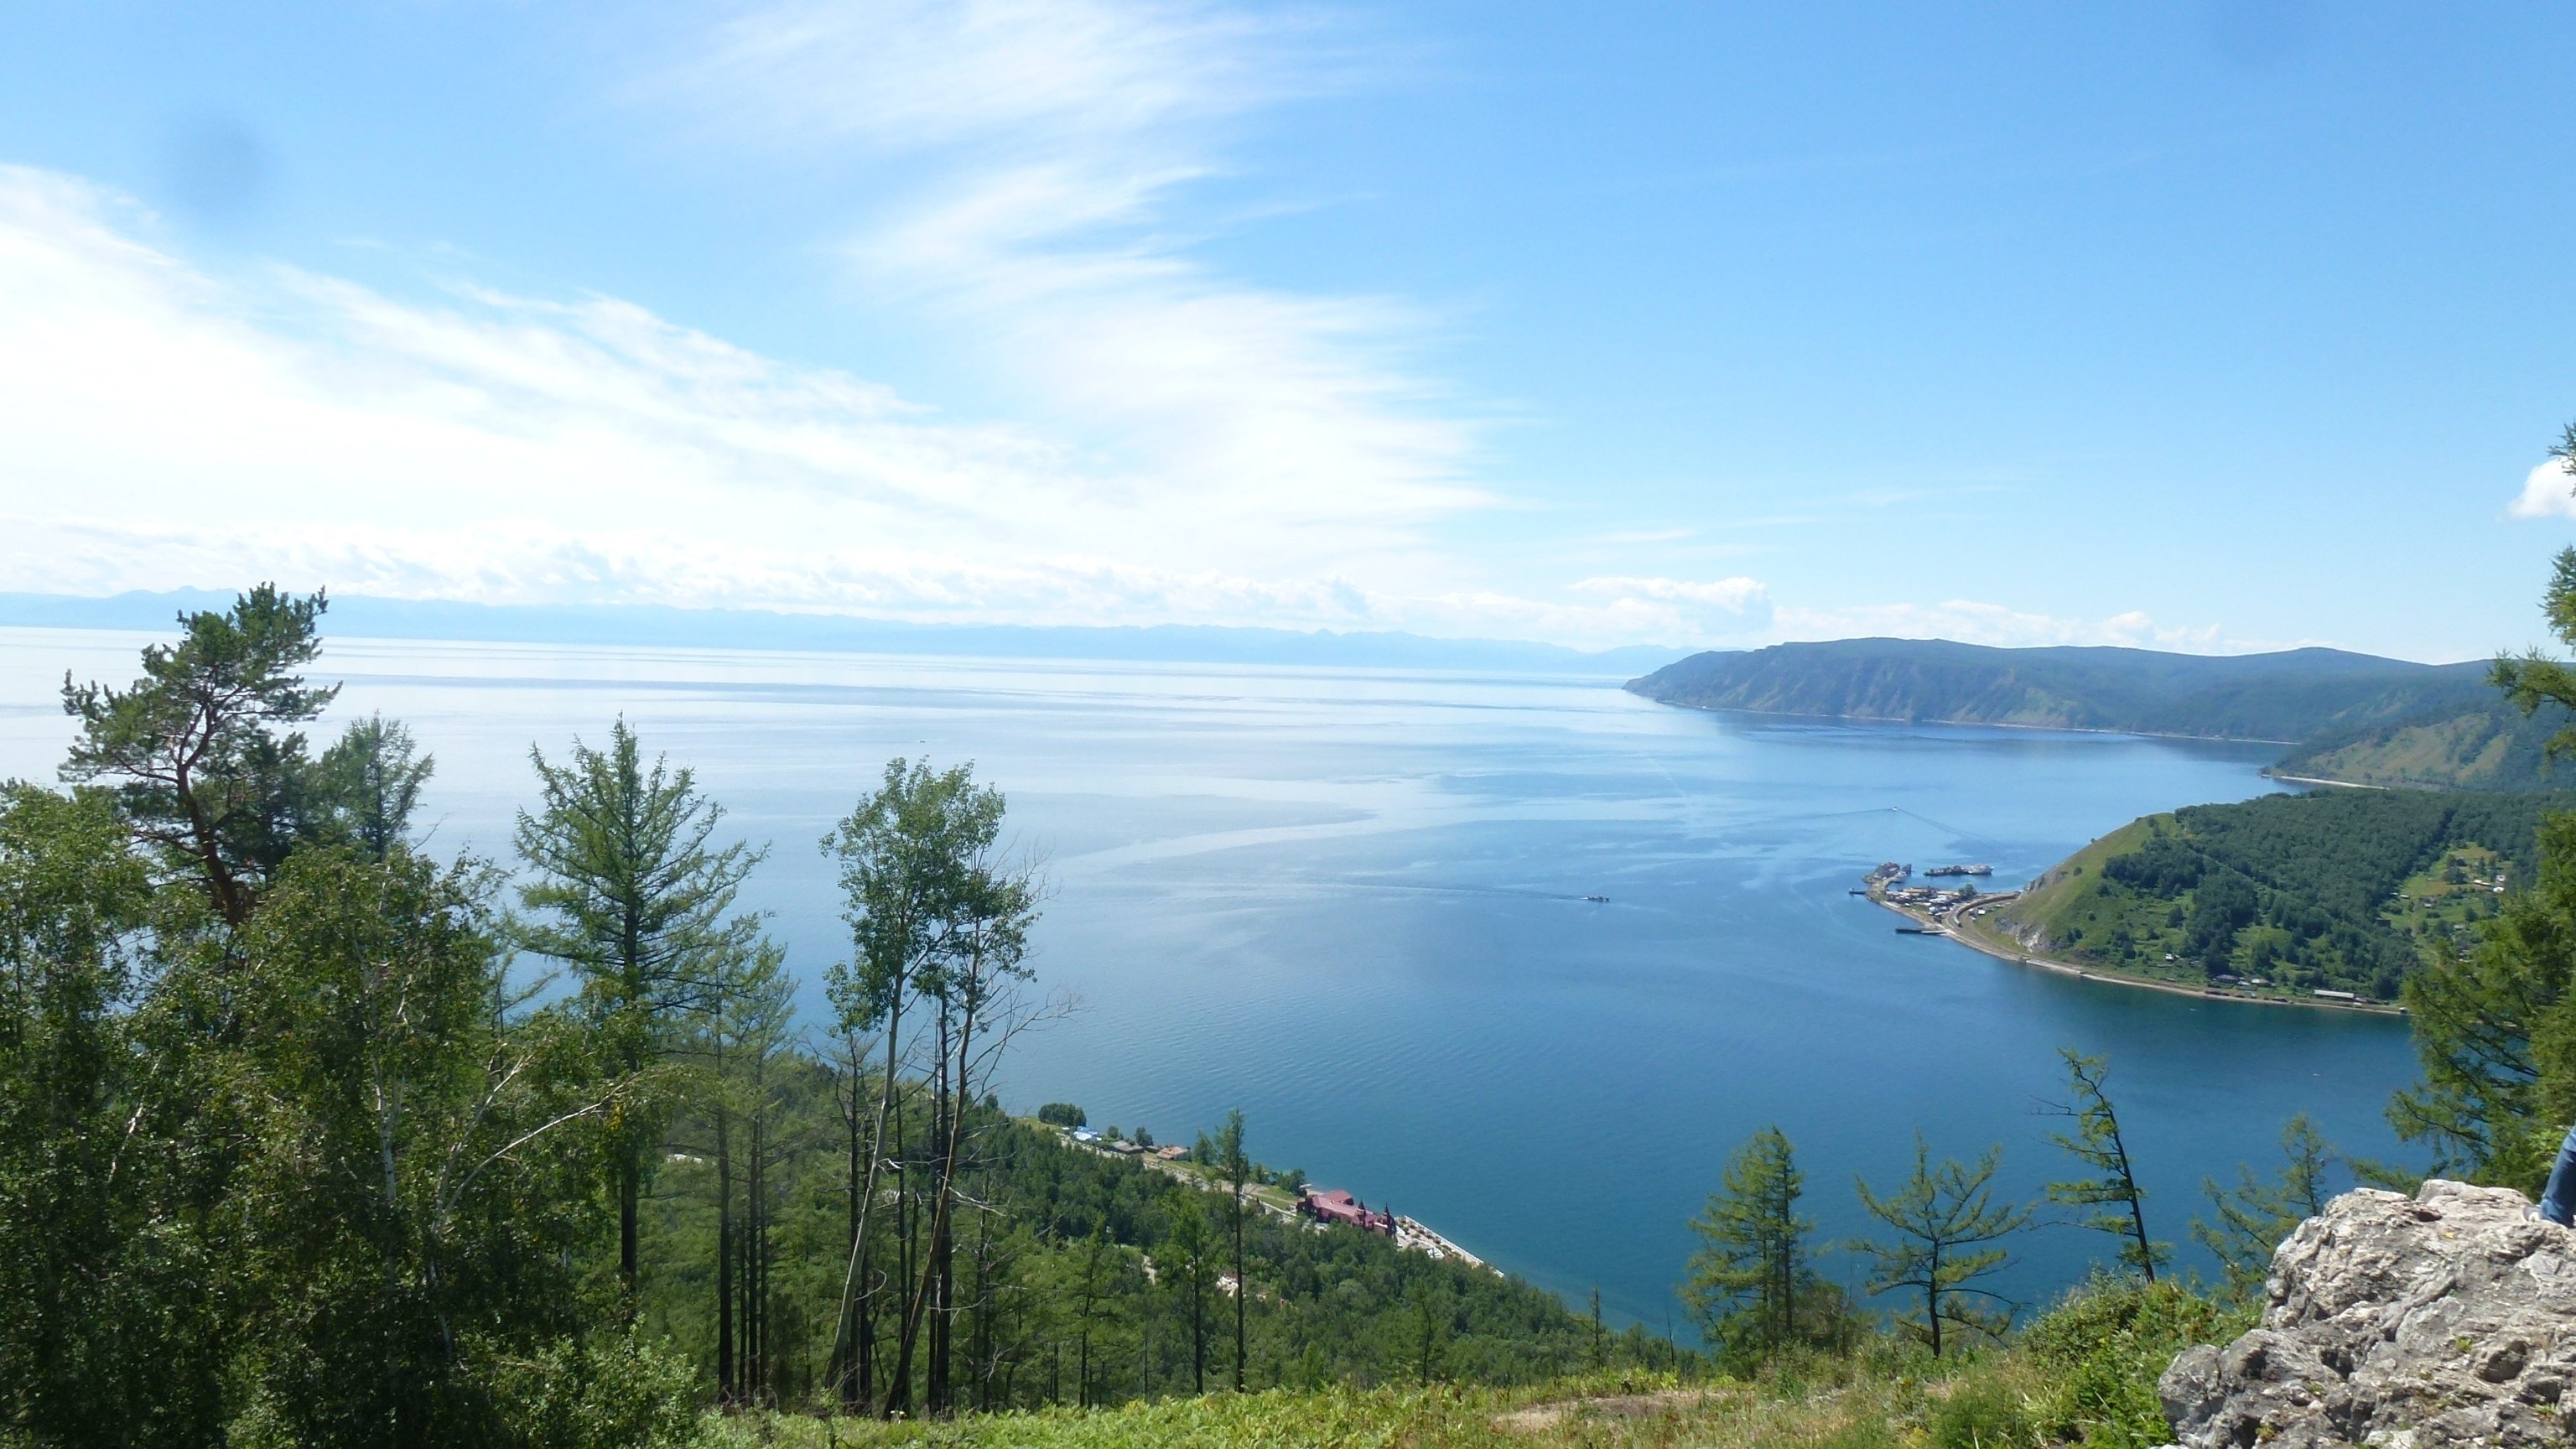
727, 1387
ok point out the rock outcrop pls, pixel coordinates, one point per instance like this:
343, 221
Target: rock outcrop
2443, 1319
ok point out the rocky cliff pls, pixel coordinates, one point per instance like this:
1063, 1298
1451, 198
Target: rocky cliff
2443, 1319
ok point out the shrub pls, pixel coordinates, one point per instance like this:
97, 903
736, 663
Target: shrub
2101, 1351
1062, 1114
615, 1392
1984, 1411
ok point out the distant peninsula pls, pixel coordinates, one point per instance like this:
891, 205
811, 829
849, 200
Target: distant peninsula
2343, 717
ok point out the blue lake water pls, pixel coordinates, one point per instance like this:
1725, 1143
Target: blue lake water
1352, 903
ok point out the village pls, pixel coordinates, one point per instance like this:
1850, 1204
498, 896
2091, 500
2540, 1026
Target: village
1291, 1197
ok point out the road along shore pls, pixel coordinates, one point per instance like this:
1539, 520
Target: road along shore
1960, 925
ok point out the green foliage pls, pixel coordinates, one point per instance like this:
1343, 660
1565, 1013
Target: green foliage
204, 770
2286, 696
610, 1392
1947, 1227
2254, 1217
1748, 1283
2534, 681
396, 1194
628, 889
2097, 1143
100, 1287
1983, 1411
370, 782
905, 854
2494, 1036
1062, 1114
2338, 890
2099, 1353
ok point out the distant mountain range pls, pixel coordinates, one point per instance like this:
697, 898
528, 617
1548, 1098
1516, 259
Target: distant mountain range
360, 616
2349, 717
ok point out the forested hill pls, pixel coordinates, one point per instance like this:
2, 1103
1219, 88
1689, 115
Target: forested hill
2485, 746
2288, 696
2343, 890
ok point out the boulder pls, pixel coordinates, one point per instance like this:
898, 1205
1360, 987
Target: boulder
2447, 1318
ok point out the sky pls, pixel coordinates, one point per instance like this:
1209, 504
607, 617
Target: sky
2210, 328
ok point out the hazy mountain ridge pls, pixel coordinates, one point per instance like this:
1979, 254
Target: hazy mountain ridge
2287, 696
362, 616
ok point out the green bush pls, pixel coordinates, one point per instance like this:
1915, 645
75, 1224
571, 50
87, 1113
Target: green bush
609, 1393
2101, 1351
1983, 1411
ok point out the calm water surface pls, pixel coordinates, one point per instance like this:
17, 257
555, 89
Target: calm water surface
1352, 903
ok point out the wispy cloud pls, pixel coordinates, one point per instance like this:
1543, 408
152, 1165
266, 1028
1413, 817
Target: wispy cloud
170, 426
1049, 218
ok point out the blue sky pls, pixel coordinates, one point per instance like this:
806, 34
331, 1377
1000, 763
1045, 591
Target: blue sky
2205, 328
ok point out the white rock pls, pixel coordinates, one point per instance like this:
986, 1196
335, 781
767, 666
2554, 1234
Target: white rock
2445, 1319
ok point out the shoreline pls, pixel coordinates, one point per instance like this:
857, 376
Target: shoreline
1411, 1234
1969, 724
1977, 938
2322, 780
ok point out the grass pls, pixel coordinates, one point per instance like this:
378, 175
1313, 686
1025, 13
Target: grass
2083, 1374
1637, 1412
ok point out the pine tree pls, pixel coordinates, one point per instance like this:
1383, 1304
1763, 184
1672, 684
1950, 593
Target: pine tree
205, 768
1746, 1279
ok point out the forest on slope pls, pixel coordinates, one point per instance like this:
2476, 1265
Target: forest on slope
2352, 718
2278, 697
310, 1137
2346, 890
2490, 746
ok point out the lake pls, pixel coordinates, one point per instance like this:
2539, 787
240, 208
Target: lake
1353, 903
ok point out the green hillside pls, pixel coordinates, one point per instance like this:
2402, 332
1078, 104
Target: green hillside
2286, 696
2492, 748
2339, 890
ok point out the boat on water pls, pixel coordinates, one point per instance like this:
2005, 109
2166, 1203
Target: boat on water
1598, 900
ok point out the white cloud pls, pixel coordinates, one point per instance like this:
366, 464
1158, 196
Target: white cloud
895, 75
1058, 236
2547, 492
169, 425
1737, 596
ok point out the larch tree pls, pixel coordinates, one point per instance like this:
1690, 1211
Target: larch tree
1746, 1280
2255, 1216
2120, 1204
1235, 1165
371, 779
630, 888
1948, 1226
1194, 1249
